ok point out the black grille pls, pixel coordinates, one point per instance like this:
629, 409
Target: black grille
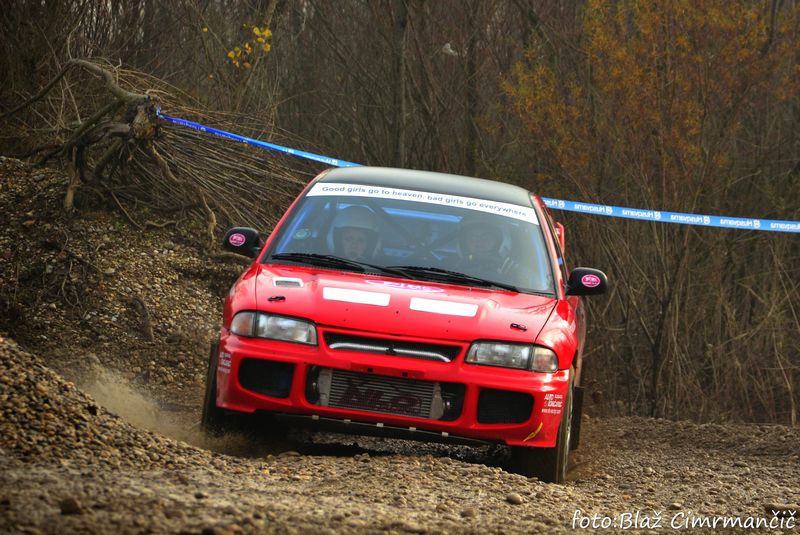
453, 396
266, 377
383, 346
504, 407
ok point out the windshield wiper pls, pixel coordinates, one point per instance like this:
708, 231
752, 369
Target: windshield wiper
326, 260
445, 275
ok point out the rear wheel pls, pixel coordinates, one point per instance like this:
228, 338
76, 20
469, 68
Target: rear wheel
547, 464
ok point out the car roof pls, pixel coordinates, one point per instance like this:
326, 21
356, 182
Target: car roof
430, 181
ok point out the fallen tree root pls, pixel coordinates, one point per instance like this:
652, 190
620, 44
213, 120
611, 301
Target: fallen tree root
123, 151
140, 125
144, 317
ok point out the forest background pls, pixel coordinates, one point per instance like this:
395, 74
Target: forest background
688, 106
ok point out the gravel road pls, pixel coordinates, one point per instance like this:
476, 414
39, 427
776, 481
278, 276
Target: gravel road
98, 418
71, 466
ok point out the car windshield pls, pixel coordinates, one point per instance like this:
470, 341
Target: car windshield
416, 235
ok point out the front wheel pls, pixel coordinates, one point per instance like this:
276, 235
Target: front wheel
213, 420
216, 422
547, 464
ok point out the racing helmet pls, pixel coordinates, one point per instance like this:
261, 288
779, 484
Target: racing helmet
364, 221
479, 236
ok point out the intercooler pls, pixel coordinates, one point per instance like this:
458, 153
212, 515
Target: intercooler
383, 394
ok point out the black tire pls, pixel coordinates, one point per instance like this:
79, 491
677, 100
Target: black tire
547, 464
577, 417
213, 420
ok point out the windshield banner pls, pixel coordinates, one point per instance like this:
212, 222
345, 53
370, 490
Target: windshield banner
515, 211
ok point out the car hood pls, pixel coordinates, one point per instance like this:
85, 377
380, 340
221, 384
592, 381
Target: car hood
402, 307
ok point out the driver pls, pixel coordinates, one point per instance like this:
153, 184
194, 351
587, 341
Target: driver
355, 233
480, 241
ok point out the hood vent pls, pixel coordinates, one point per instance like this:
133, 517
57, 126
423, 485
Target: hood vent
287, 282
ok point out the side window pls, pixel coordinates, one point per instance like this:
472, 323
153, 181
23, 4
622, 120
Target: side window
561, 262
527, 249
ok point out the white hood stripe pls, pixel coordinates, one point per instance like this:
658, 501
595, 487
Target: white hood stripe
447, 308
356, 296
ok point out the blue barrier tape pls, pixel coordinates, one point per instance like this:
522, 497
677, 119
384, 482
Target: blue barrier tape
740, 223
263, 144
680, 218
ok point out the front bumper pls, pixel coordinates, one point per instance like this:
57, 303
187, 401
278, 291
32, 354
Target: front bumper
474, 385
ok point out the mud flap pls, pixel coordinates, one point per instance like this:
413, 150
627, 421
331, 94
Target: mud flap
577, 412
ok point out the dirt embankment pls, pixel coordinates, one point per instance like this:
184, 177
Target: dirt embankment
98, 414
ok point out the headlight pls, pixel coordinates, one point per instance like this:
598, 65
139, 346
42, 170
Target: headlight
262, 325
544, 360
506, 355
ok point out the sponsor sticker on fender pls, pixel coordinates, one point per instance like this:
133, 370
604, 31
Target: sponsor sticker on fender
404, 286
224, 365
553, 404
237, 239
590, 281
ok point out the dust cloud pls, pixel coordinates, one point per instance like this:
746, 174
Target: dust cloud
133, 404
116, 394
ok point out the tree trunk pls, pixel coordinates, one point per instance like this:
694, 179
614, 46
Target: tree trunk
401, 24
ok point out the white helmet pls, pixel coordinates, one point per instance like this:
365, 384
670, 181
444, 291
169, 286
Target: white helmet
359, 217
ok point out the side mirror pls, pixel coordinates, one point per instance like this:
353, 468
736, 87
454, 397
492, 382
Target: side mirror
560, 234
586, 281
242, 240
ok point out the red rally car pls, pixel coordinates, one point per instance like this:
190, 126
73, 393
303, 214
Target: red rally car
409, 304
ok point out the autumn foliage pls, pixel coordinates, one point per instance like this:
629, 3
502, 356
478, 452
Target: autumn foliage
693, 107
